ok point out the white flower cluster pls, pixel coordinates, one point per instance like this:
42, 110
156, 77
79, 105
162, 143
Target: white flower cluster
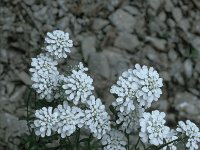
191, 131
114, 140
130, 121
58, 44
137, 86
78, 86
96, 117
153, 130
46, 121
68, 119
171, 136
136, 89
63, 119
45, 76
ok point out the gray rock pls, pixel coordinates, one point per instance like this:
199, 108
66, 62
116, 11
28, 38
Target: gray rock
184, 24
195, 41
29, 2
98, 64
169, 6
63, 23
172, 55
24, 77
188, 106
99, 23
162, 16
159, 44
132, 10
188, 66
122, 20
155, 4
165, 75
88, 44
171, 23
12, 125
197, 66
17, 95
177, 14
1, 69
118, 62
127, 41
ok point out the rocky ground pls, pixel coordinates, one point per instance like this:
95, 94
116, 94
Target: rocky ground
110, 37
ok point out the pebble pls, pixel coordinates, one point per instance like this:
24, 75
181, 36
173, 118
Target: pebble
127, 41
188, 67
159, 44
120, 16
177, 14
88, 44
99, 23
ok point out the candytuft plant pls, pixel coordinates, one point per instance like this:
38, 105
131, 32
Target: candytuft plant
67, 114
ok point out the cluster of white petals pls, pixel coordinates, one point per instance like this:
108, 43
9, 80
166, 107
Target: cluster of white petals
191, 131
171, 136
58, 43
130, 121
68, 119
45, 122
125, 90
140, 85
153, 130
45, 76
96, 117
78, 86
114, 140
149, 84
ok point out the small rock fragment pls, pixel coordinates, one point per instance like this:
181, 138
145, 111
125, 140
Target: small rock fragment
99, 23
122, 20
159, 44
188, 66
88, 44
177, 14
127, 41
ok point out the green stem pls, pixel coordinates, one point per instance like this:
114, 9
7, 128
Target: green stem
27, 110
88, 143
137, 143
70, 144
166, 144
127, 135
77, 138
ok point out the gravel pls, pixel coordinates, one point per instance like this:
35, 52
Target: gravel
110, 37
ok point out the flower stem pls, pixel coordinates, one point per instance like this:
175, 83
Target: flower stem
77, 139
127, 136
88, 143
137, 143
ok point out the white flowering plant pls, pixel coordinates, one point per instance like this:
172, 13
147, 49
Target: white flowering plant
66, 114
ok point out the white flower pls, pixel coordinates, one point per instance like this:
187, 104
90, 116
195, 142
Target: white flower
114, 140
46, 121
97, 119
78, 86
130, 121
171, 136
140, 85
45, 76
69, 118
58, 43
153, 130
191, 131
125, 90
149, 83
